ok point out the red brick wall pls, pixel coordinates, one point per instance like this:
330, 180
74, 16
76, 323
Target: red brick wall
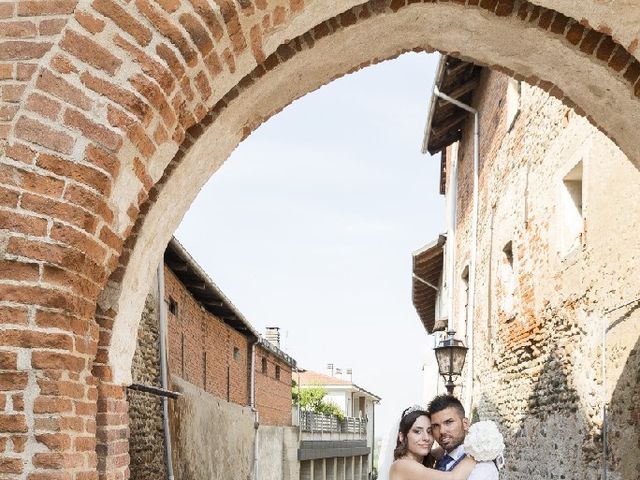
195, 332
273, 396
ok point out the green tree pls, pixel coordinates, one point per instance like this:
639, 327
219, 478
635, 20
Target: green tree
330, 408
311, 399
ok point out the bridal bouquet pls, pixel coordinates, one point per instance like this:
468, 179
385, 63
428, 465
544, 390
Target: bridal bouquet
484, 442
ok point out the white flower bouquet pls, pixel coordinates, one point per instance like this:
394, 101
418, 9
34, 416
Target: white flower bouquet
484, 442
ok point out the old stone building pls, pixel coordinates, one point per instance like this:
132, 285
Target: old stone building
114, 114
550, 309
233, 415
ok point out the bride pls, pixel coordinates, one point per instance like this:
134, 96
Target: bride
411, 459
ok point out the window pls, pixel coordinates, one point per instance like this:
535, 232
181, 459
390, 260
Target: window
513, 102
508, 253
572, 223
507, 282
173, 306
264, 365
277, 372
236, 353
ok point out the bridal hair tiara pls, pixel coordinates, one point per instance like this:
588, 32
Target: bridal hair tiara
411, 409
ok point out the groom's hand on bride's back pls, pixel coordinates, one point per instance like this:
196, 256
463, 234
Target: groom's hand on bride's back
437, 452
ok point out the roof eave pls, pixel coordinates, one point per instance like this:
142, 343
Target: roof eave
424, 298
175, 246
432, 104
267, 345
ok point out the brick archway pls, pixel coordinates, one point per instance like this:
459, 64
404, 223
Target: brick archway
107, 147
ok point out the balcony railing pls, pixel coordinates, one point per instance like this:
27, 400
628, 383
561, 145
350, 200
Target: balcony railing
318, 423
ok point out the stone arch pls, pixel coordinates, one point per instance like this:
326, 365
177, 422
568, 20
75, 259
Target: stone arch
336, 47
106, 141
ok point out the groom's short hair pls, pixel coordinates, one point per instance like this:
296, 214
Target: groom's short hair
442, 402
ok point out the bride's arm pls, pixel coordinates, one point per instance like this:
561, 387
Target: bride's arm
406, 469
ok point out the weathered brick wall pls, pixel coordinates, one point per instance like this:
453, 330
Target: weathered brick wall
273, 396
201, 347
538, 325
29, 29
146, 440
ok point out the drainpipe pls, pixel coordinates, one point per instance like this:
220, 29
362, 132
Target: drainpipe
163, 372
252, 404
256, 447
373, 432
605, 466
474, 244
451, 238
252, 377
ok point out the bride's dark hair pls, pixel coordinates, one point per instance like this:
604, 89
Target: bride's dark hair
407, 421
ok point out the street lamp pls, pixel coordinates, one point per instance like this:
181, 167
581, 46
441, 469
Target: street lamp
450, 355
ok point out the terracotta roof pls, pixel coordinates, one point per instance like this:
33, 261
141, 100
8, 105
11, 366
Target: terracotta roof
307, 377
427, 267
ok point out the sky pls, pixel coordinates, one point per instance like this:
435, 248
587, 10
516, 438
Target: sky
311, 223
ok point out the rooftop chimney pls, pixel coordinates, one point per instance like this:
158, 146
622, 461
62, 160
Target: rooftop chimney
273, 336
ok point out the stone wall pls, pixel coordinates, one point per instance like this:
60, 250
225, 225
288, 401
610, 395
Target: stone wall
278, 453
146, 441
212, 439
541, 304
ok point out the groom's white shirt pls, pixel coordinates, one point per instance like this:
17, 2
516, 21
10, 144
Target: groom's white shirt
482, 470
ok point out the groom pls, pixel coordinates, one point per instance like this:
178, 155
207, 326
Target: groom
450, 426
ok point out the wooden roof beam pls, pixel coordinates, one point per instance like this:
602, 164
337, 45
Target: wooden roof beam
458, 68
461, 90
440, 130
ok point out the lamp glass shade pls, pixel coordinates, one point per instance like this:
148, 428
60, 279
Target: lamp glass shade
450, 355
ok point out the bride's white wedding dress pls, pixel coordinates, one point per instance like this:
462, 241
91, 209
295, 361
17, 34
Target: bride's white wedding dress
385, 458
